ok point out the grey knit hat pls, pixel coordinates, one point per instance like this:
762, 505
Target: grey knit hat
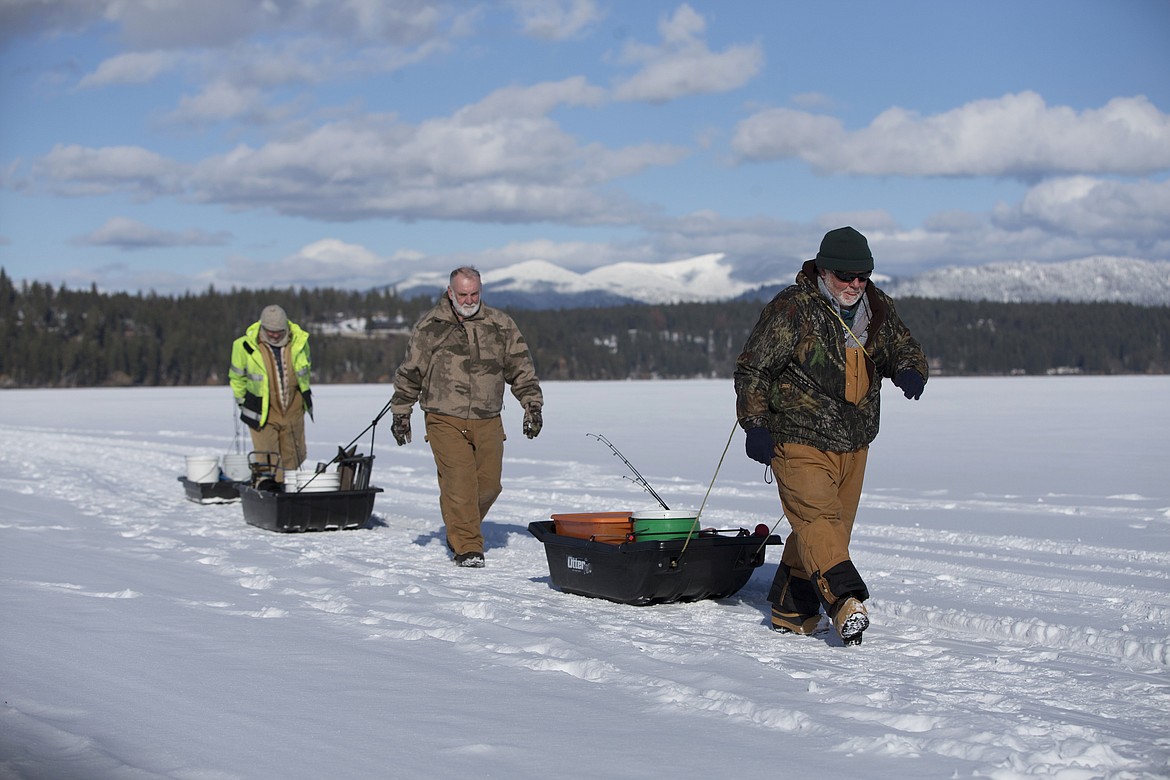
273, 318
844, 249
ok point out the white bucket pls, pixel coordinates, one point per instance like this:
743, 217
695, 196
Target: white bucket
202, 468
236, 468
313, 482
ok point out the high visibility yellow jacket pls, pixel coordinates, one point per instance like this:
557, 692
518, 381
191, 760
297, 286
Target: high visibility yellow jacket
248, 374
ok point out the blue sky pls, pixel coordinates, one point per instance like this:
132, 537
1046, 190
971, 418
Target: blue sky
169, 145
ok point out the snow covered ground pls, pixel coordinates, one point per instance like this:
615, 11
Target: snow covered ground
1015, 534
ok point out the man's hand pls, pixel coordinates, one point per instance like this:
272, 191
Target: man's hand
911, 383
401, 429
533, 422
760, 446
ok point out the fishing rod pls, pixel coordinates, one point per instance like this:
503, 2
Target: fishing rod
767, 532
640, 479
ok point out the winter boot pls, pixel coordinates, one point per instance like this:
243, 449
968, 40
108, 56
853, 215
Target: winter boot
794, 622
795, 607
470, 560
850, 619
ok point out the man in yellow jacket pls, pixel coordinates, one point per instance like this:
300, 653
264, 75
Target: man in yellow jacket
269, 377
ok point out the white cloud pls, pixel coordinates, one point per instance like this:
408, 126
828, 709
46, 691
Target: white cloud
220, 24
532, 100
235, 53
131, 68
223, 101
683, 64
328, 262
130, 234
1092, 208
403, 22
165, 24
556, 20
332, 258
1015, 136
500, 159
243, 83
23, 17
217, 101
77, 170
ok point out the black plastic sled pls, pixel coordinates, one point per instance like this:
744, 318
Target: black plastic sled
339, 510
221, 491
713, 565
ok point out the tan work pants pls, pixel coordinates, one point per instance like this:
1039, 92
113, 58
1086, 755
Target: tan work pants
283, 433
819, 492
469, 457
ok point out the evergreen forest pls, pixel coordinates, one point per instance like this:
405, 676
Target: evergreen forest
56, 337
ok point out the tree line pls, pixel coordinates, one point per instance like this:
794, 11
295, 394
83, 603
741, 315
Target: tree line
57, 337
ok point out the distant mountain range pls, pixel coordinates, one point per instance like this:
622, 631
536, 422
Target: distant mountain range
537, 284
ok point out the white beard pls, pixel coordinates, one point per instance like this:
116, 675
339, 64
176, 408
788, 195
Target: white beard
464, 311
848, 297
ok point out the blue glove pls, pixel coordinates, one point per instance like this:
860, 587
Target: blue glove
911, 383
760, 446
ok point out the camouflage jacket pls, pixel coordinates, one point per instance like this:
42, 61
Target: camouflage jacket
790, 377
460, 368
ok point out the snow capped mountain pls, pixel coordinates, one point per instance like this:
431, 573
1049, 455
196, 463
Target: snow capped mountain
702, 278
1100, 278
538, 284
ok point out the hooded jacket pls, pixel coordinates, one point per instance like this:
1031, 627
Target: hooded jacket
459, 368
248, 374
791, 376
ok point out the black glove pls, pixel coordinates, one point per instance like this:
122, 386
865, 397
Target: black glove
911, 383
533, 422
760, 446
401, 429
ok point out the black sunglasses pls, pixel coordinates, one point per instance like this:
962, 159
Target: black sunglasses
847, 278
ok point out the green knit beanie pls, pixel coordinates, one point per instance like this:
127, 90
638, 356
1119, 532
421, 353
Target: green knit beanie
844, 249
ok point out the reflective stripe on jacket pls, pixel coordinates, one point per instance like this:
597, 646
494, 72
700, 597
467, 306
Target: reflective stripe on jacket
248, 375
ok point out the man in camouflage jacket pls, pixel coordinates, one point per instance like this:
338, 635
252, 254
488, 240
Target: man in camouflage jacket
460, 356
807, 390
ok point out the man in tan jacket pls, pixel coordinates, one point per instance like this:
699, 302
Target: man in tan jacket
460, 356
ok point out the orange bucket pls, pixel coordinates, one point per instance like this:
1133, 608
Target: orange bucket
607, 527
